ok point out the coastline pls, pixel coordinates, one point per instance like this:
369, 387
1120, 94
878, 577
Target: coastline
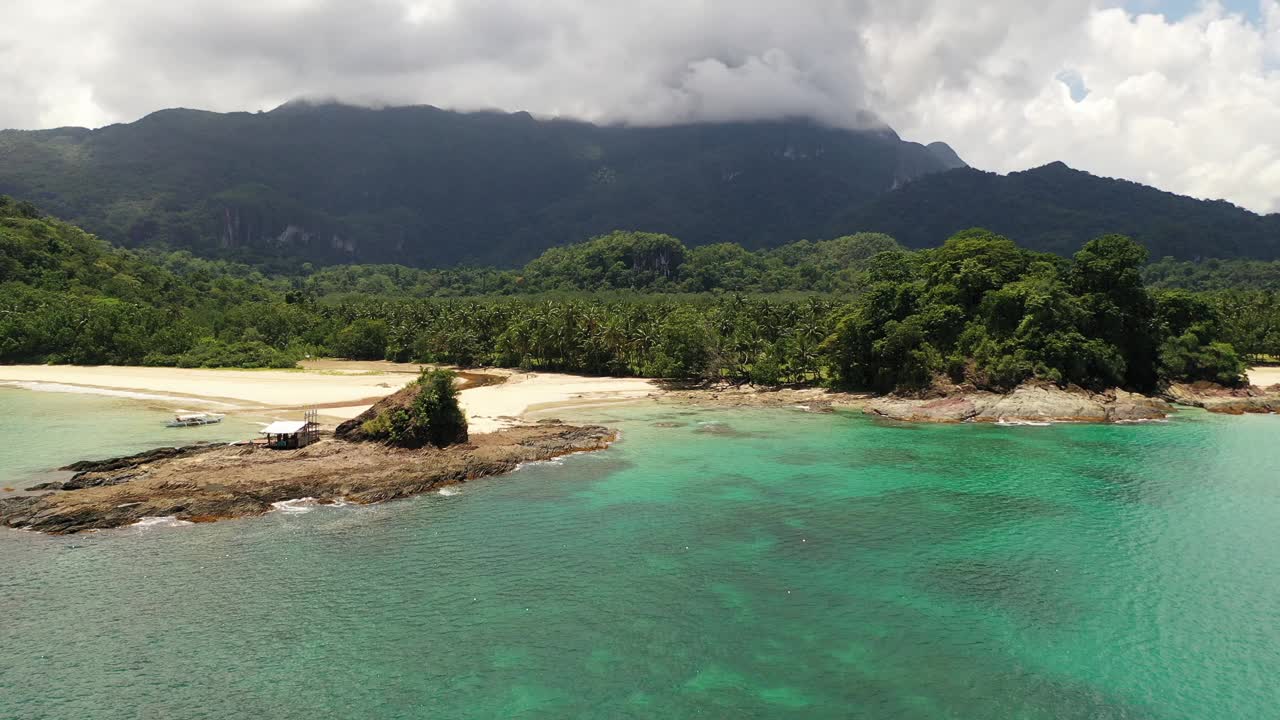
339, 390
207, 483
211, 482
496, 399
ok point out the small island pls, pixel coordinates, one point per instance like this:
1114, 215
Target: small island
411, 442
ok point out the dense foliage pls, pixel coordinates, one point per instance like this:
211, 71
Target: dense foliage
433, 417
645, 262
1214, 274
979, 309
68, 297
1057, 209
430, 188
988, 313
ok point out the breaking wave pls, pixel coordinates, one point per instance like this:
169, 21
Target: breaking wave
165, 521
295, 507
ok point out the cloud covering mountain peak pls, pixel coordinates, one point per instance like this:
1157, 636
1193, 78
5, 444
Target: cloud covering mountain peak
1191, 105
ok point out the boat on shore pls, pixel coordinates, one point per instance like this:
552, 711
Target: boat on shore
194, 419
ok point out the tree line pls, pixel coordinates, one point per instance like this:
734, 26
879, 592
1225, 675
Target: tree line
979, 309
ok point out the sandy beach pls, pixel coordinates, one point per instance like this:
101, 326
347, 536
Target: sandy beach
1265, 376
494, 407
339, 389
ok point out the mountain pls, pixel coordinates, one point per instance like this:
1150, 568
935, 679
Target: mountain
1057, 209
428, 187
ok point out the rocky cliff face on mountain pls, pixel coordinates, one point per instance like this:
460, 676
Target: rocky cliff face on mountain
429, 187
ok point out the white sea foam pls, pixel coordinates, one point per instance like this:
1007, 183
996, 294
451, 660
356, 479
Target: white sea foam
85, 390
449, 491
297, 506
165, 521
1022, 423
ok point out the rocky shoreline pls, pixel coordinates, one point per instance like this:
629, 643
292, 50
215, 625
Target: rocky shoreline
205, 483
1027, 403
1227, 401
1034, 402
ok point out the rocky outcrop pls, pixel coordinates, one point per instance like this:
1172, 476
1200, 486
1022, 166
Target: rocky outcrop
241, 480
353, 430
97, 473
1038, 402
131, 461
1227, 401
725, 395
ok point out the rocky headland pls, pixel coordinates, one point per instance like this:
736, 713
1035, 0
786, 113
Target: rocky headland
204, 483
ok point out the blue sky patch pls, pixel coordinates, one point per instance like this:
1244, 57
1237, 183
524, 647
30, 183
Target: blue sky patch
1178, 9
1075, 83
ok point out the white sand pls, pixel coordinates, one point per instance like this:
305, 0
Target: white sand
494, 407
1264, 376
341, 390
221, 390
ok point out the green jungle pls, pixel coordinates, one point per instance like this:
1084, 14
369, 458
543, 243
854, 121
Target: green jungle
854, 312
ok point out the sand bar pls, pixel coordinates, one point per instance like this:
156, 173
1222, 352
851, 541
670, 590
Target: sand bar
220, 390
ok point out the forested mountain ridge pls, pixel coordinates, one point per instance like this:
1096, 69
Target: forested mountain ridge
430, 188
1057, 209
424, 187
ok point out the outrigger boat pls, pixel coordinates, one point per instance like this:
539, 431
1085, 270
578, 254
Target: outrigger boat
194, 419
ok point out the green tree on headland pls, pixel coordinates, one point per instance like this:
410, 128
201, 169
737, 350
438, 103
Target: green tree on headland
986, 312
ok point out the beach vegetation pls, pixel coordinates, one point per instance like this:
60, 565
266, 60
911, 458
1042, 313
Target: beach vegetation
432, 417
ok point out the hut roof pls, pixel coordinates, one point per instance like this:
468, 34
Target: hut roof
284, 427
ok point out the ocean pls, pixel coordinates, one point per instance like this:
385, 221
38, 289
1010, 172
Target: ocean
46, 425
712, 564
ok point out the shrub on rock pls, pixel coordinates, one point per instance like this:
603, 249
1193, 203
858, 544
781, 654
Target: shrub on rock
432, 417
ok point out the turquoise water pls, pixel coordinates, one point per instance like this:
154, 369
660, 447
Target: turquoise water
742, 564
40, 431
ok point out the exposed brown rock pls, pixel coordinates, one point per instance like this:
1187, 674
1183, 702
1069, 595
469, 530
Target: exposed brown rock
812, 399
130, 461
239, 480
1031, 402
1215, 398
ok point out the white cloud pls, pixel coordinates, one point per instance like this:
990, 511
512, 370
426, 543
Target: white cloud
1191, 106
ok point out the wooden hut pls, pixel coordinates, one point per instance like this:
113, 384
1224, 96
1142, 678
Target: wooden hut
292, 434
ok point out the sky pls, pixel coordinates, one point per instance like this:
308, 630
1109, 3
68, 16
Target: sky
1180, 94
